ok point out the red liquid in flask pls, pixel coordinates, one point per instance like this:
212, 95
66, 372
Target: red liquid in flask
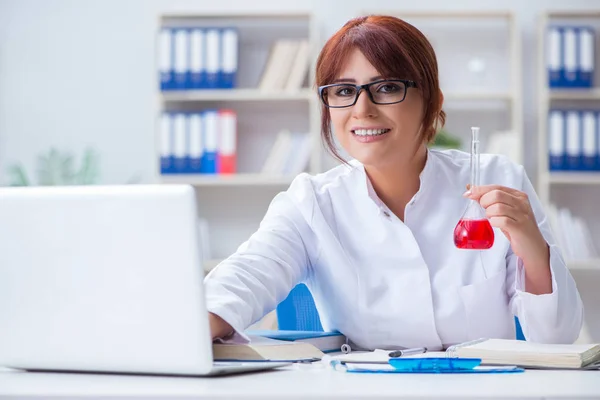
473, 234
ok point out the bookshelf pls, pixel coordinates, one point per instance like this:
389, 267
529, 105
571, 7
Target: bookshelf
234, 204
474, 95
574, 190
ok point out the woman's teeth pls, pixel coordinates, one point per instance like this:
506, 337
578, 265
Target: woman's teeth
370, 132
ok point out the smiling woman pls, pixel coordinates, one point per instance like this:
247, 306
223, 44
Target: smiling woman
372, 238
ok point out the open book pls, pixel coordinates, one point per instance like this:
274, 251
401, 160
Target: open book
266, 349
529, 354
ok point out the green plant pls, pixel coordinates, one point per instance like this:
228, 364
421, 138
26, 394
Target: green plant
55, 168
446, 140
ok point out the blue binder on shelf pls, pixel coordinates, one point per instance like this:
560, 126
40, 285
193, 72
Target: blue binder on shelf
166, 144
554, 60
165, 59
208, 163
196, 147
229, 58
585, 56
589, 140
556, 140
573, 140
182, 59
197, 59
569, 57
180, 142
213, 57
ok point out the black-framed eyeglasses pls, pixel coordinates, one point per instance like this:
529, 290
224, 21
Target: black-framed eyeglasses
385, 91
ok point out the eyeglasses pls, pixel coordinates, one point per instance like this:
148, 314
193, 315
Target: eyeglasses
390, 91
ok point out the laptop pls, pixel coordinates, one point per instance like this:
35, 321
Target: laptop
105, 279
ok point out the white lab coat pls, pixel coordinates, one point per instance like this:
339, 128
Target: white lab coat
386, 283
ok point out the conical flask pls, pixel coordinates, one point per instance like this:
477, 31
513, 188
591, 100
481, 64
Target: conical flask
473, 231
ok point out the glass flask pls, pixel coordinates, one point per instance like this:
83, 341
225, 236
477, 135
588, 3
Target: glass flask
473, 231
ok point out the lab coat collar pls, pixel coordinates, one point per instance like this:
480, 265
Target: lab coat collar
425, 178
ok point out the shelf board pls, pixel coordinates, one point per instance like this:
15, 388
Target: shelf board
575, 178
505, 96
235, 95
575, 94
584, 265
574, 14
228, 180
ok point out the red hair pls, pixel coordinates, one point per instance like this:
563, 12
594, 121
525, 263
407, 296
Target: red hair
397, 50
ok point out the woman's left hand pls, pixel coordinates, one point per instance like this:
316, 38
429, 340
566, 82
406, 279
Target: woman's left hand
509, 210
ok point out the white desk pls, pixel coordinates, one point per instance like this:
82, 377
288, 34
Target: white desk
303, 382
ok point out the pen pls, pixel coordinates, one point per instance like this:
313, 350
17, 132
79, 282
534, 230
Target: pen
407, 352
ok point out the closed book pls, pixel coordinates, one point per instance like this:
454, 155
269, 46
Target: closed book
227, 151
266, 349
529, 354
182, 59
165, 58
324, 341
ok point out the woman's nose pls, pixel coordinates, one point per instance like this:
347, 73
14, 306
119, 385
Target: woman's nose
364, 107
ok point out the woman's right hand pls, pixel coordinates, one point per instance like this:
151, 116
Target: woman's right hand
218, 327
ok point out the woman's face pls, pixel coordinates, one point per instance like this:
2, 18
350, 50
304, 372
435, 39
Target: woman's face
400, 122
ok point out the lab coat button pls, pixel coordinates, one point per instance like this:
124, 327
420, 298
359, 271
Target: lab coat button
387, 214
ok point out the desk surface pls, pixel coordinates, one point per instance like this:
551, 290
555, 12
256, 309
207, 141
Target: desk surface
303, 381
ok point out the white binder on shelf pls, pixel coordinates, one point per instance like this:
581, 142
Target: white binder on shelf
229, 58
213, 57
165, 58
197, 59
182, 59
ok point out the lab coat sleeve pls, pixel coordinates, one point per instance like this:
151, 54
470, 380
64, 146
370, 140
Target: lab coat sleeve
555, 317
260, 274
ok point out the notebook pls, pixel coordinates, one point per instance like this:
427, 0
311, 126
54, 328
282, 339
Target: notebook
529, 354
324, 341
266, 349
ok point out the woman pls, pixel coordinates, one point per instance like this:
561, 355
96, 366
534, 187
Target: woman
373, 238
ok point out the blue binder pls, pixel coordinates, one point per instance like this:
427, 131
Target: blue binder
197, 59
229, 58
166, 144
182, 58
180, 142
573, 140
165, 59
589, 139
554, 61
213, 58
208, 163
585, 56
195, 148
556, 140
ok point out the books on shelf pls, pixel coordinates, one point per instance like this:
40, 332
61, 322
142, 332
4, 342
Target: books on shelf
266, 349
324, 341
574, 140
289, 154
197, 58
287, 66
572, 234
203, 142
570, 56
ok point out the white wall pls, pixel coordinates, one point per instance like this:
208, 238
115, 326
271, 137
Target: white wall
75, 73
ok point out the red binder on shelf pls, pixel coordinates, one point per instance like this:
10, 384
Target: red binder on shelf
227, 161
